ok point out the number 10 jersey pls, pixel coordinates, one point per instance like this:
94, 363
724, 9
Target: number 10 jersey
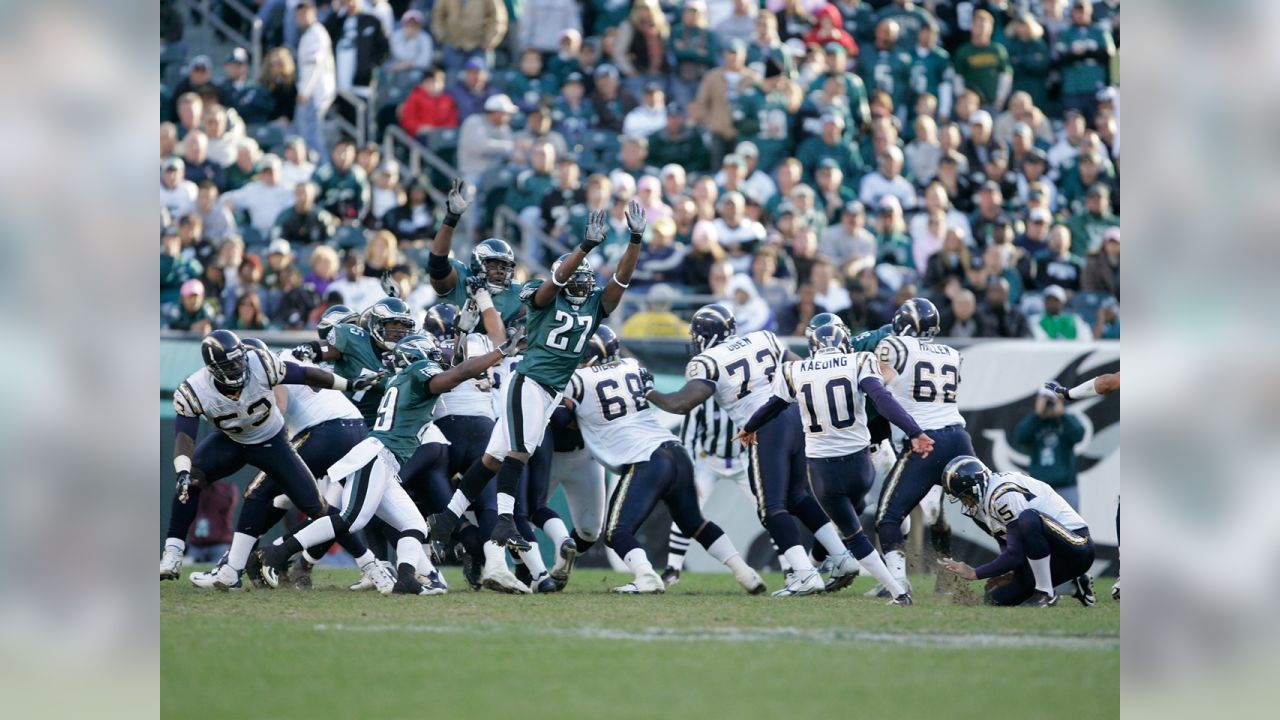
832, 406
616, 423
927, 381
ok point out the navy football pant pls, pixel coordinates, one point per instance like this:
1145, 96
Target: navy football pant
840, 484
667, 477
1070, 553
778, 472
911, 479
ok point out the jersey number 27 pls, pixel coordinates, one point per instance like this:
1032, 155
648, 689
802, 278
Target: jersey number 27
559, 337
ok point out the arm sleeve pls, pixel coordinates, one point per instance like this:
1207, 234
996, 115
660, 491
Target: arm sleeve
888, 406
767, 412
186, 425
294, 374
1010, 557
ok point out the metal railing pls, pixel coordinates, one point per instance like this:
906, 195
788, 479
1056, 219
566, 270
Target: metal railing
394, 136
359, 130
210, 21
532, 239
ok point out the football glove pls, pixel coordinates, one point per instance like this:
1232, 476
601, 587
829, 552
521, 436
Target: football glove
636, 220
476, 283
456, 202
595, 231
512, 345
364, 382
646, 381
305, 352
184, 486
390, 286
1057, 389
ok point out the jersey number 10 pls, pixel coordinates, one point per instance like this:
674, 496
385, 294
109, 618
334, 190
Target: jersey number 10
845, 385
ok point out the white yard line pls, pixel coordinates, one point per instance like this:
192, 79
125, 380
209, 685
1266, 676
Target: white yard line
829, 636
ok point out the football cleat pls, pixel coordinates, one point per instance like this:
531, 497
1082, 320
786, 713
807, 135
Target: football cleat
253, 571
564, 562
809, 584
1083, 587
171, 563
300, 573
670, 576
506, 535
1039, 598
227, 578
376, 575
500, 579
471, 569
844, 570
434, 580
407, 584
442, 527
546, 584
206, 579
274, 560
903, 599
1115, 590
750, 581
644, 583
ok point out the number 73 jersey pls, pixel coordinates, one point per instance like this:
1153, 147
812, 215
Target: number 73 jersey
249, 418
927, 380
616, 423
741, 369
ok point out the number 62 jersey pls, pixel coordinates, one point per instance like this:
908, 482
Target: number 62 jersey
927, 380
741, 369
249, 418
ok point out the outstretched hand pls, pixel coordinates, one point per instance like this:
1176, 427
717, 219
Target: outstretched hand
456, 202
637, 221
963, 570
595, 230
922, 445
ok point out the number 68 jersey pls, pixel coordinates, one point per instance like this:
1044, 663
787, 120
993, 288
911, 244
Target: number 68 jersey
741, 369
927, 381
616, 423
249, 418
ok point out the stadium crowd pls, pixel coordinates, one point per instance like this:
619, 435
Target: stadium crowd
793, 156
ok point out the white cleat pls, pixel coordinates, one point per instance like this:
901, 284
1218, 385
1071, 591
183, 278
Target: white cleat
205, 579
564, 562
752, 582
1115, 590
227, 578
500, 579
810, 584
648, 582
376, 575
433, 583
171, 563
844, 570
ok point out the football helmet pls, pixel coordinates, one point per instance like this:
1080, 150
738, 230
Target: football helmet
832, 338
255, 343
965, 479
710, 326
441, 322
822, 319
601, 348
413, 348
389, 320
333, 316
494, 259
224, 355
917, 317
581, 283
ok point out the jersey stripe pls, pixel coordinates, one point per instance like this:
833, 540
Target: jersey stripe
190, 398
1005, 489
713, 372
786, 375
900, 353
1062, 532
269, 365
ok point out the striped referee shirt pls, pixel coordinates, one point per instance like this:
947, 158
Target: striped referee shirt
708, 431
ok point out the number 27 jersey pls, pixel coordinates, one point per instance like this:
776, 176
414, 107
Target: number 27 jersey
927, 380
742, 370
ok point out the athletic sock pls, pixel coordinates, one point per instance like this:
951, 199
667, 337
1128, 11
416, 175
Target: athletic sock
508, 484
830, 539
556, 531
315, 532
175, 544
408, 552
473, 483
425, 566
638, 562
1040, 568
874, 565
241, 546
364, 560
459, 503
533, 560
799, 560
506, 504
582, 543
677, 547
896, 561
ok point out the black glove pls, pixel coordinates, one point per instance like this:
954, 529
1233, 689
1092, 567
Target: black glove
184, 485
1057, 389
636, 221
364, 382
306, 352
476, 283
646, 381
594, 234
512, 345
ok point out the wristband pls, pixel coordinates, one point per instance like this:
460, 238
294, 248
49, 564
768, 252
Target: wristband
438, 266
483, 300
339, 383
557, 283
451, 220
637, 238
1083, 390
621, 284
182, 463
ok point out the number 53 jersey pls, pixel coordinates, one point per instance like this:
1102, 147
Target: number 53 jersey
741, 369
616, 423
249, 418
927, 380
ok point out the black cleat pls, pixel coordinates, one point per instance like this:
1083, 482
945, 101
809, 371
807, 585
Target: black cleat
442, 527
253, 570
903, 599
407, 584
523, 574
275, 561
670, 576
505, 534
471, 569
1039, 598
1083, 586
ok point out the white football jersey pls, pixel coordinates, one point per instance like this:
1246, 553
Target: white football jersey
501, 379
742, 370
251, 417
1009, 493
832, 407
473, 398
310, 406
927, 381
616, 423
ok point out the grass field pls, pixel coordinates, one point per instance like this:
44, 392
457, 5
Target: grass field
703, 650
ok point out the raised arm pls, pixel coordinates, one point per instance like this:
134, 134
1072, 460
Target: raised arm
443, 277
474, 367
621, 280
594, 235
1101, 385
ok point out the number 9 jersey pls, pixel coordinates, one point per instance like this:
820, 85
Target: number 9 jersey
616, 423
742, 370
927, 380
251, 417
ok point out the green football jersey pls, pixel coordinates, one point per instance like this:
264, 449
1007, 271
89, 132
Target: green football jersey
981, 68
406, 409
763, 118
867, 342
928, 73
358, 358
557, 335
1083, 55
887, 70
507, 302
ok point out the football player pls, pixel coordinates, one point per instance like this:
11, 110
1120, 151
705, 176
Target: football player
739, 372
370, 470
1043, 541
830, 388
484, 289
924, 377
607, 398
562, 315
234, 392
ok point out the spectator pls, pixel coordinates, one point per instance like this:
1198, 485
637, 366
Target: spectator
279, 258
486, 140
567, 192
998, 316
983, 65
886, 66
241, 172
324, 269
297, 167
210, 536
191, 233
661, 259
278, 78
831, 193
381, 255
1035, 240
794, 317
932, 73
649, 193
527, 85
199, 80
343, 186
168, 140
674, 185
1088, 228
677, 143
611, 104
804, 252
387, 193
248, 314
1005, 260
829, 28
317, 76
1091, 169
358, 290
888, 180
694, 49
248, 281
990, 213
542, 22
736, 233
1102, 268
750, 311
1059, 265
565, 60
472, 91
640, 51
1048, 436
871, 303
1057, 322
795, 18
176, 267
951, 261
829, 290
1063, 153
192, 313
412, 222
537, 129
572, 113
656, 319
525, 194
225, 270
923, 152
635, 156
305, 223
411, 47
996, 169
263, 199
1106, 326
468, 29
789, 175
215, 219
714, 105
706, 260
1029, 58
830, 143
1022, 110
250, 101
650, 116
199, 168
849, 239
1082, 54
891, 234
297, 300
686, 216
177, 194
959, 320
428, 106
